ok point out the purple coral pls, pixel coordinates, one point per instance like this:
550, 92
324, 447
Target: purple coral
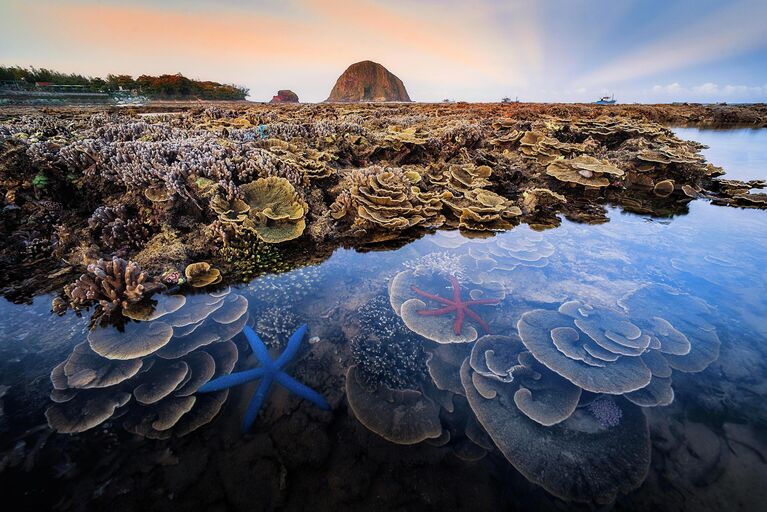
118, 229
606, 411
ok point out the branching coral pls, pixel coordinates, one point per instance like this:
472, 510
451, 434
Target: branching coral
386, 352
113, 285
118, 230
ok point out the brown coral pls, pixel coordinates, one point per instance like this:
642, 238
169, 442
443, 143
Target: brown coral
386, 199
276, 211
584, 170
114, 285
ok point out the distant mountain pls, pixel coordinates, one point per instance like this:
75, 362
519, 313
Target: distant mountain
368, 81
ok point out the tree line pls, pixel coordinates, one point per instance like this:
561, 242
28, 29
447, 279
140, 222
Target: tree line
158, 87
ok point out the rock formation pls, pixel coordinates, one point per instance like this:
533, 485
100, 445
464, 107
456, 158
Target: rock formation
368, 81
285, 96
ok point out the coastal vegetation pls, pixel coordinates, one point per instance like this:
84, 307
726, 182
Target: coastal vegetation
164, 86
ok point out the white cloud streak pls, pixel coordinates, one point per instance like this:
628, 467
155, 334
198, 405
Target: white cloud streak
734, 29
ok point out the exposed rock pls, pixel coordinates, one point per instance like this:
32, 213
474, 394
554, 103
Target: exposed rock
285, 96
368, 81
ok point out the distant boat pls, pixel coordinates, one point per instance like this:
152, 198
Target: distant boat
606, 100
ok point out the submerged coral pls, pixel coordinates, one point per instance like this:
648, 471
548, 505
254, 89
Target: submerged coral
447, 323
629, 353
275, 325
386, 352
577, 459
147, 372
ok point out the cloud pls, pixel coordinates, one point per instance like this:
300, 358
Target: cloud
667, 89
734, 29
265, 48
707, 88
710, 91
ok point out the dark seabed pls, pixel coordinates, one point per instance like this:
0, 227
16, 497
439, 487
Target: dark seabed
582, 318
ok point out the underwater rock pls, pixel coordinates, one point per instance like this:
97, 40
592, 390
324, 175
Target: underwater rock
367, 81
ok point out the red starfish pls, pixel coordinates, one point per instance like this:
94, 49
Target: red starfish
457, 304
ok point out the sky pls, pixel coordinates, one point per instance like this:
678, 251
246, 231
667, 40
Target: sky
648, 51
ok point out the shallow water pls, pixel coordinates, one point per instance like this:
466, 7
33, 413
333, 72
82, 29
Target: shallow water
742, 152
707, 449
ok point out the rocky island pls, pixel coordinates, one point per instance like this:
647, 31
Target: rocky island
285, 96
367, 81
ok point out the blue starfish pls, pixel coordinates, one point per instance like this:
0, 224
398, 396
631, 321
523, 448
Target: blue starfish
269, 372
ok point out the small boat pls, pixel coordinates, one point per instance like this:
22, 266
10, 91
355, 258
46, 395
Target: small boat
606, 100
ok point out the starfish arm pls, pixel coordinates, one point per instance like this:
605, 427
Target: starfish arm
294, 342
458, 323
254, 407
431, 296
302, 390
479, 320
258, 346
434, 312
234, 379
456, 289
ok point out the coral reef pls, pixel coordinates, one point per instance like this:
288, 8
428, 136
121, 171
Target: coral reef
275, 325
631, 352
447, 322
105, 184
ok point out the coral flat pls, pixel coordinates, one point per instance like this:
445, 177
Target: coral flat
254, 189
